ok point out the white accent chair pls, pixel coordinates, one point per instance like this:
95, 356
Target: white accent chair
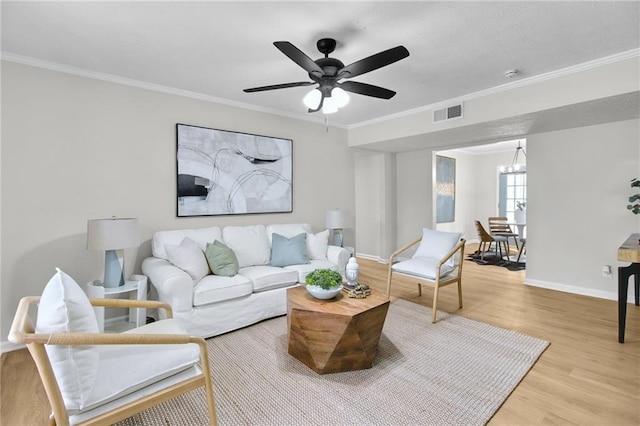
437, 263
93, 378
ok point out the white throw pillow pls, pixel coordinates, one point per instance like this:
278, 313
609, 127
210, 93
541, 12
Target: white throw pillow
317, 245
202, 236
436, 244
249, 243
65, 308
189, 257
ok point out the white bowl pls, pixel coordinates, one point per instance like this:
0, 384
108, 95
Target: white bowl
320, 293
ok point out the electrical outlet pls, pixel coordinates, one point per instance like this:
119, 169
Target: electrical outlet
606, 271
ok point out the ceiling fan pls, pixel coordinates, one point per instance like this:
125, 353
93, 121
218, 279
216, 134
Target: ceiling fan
327, 73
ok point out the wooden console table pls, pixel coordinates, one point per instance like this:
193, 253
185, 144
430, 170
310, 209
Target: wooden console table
629, 251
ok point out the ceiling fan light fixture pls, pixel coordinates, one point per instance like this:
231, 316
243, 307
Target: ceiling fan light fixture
340, 97
312, 99
329, 106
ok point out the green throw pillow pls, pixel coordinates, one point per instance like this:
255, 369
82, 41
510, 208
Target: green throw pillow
288, 251
222, 260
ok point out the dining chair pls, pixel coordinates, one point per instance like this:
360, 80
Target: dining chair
93, 378
436, 263
498, 226
488, 239
523, 242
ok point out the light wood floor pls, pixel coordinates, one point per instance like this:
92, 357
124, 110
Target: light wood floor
584, 378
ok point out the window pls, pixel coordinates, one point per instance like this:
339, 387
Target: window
513, 189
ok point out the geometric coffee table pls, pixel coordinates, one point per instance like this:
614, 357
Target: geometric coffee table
334, 335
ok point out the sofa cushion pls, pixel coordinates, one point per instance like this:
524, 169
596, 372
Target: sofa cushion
317, 245
287, 230
422, 267
189, 257
269, 277
124, 369
303, 270
289, 251
436, 244
222, 260
216, 288
249, 243
202, 236
65, 308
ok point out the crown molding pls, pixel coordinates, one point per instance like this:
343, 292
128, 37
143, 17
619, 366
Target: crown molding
111, 78
53, 66
618, 57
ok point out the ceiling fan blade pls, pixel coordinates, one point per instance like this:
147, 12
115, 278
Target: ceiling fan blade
297, 56
374, 62
279, 86
367, 89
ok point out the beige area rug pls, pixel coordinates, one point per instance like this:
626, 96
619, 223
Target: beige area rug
454, 372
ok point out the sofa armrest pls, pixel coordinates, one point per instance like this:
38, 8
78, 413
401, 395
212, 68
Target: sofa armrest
339, 256
174, 286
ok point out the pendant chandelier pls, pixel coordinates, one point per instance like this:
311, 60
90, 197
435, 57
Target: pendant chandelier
515, 166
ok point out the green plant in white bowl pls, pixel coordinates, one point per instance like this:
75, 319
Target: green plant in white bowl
324, 283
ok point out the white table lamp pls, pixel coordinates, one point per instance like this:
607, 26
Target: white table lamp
113, 236
335, 220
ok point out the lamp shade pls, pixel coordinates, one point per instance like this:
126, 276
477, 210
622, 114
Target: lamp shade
334, 219
112, 234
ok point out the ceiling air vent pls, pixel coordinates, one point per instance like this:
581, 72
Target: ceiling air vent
449, 113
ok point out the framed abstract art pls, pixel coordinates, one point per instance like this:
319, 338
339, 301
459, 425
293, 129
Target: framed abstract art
220, 172
445, 189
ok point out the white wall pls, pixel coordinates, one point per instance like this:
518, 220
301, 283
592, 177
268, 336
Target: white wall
577, 186
75, 148
375, 177
415, 209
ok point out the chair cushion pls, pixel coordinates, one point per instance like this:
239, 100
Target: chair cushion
123, 369
189, 257
317, 245
269, 277
65, 308
222, 260
436, 244
249, 243
216, 288
422, 267
202, 236
288, 251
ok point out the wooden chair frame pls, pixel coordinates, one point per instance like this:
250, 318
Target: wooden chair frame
487, 238
22, 331
498, 226
438, 282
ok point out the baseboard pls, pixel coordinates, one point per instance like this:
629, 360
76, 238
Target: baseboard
372, 257
7, 346
600, 294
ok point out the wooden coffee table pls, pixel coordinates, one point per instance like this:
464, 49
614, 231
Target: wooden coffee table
340, 334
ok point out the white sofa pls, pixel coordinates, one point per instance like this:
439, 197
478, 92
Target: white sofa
217, 304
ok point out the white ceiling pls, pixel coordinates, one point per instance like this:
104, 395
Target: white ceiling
216, 49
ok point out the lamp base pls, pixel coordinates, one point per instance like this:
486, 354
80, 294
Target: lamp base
113, 268
337, 237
